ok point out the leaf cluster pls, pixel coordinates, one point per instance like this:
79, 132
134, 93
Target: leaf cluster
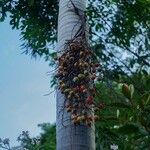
36, 20
125, 121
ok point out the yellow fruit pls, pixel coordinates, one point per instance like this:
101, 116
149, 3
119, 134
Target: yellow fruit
96, 109
64, 73
80, 64
86, 64
85, 90
71, 58
96, 118
69, 96
69, 109
81, 53
67, 56
82, 118
71, 93
78, 119
62, 85
85, 72
75, 79
76, 64
66, 90
81, 75
77, 96
74, 117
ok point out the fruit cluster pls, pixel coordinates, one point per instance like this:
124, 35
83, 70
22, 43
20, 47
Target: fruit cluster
76, 76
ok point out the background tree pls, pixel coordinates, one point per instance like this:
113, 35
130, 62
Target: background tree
45, 141
116, 26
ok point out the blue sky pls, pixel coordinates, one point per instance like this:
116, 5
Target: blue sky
23, 82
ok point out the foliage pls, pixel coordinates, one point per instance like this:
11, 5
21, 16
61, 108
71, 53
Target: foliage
119, 30
4, 143
46, 140
125, 121
120, 34
37, 21
48, 137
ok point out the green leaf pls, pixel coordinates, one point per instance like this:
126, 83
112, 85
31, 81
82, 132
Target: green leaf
126, 91
131, 88
118, 113
129, 129
120, 105
31, 2
147, 109
145, 99
53, 55
148, 100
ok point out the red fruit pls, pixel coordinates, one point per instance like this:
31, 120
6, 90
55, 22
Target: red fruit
69, 109
96, 109
82, 88
88, 123
89, 100
90, 118
93, 70
101, 105
76, 89
93, 77
92, 90
97, 65
96, 118
85, 90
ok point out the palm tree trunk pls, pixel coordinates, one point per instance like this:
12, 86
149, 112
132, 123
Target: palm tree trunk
70, 136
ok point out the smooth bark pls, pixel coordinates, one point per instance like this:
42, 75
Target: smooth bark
70, 136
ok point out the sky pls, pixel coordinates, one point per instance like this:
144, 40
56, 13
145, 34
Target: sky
23, 84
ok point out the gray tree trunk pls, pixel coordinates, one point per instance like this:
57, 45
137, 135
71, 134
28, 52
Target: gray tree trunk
70, 136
